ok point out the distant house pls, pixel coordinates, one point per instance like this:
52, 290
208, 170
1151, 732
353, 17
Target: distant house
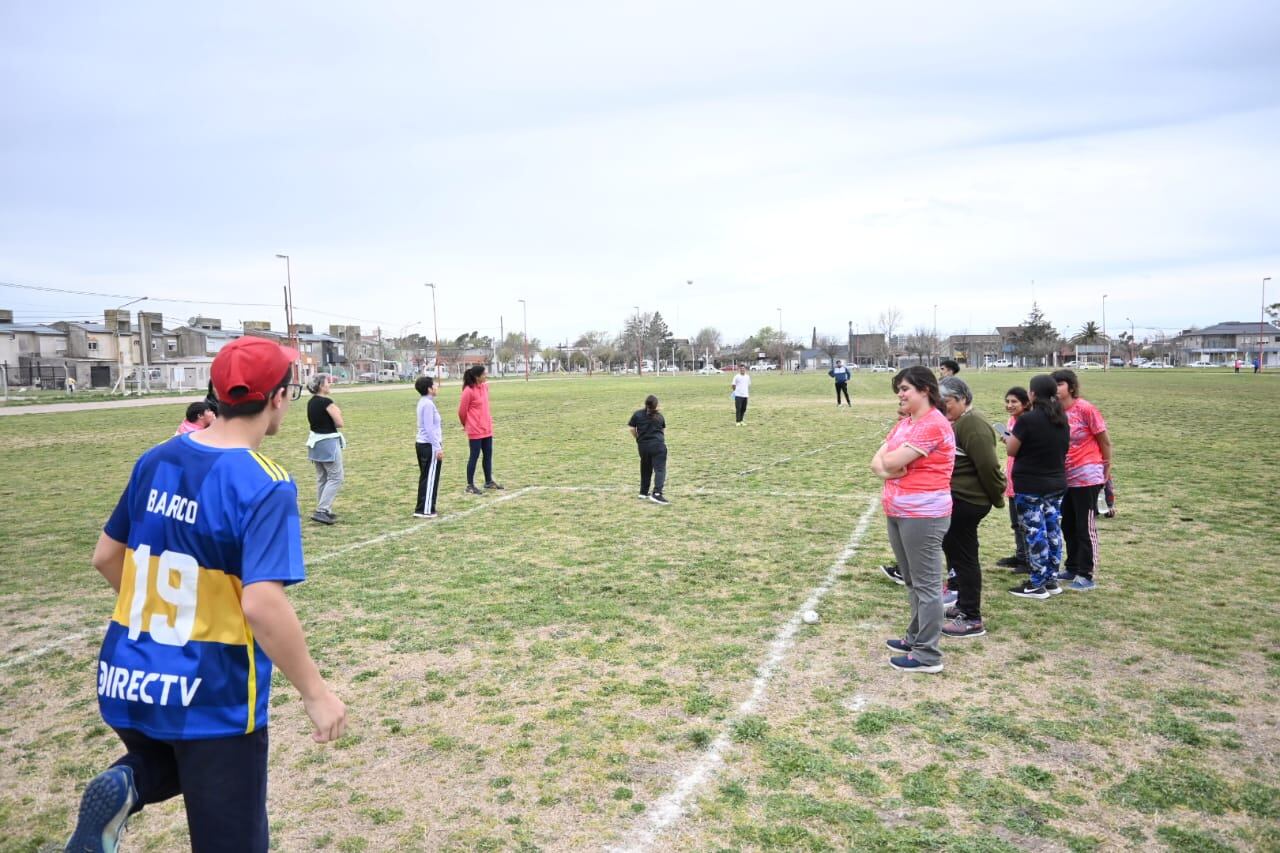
1223, 343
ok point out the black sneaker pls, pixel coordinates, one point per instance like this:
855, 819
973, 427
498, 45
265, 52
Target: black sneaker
954, 612
492, 485
1027, 590
657, 498
322, 517
472, 490
898, 645
644, 496
893, 573
1052, 588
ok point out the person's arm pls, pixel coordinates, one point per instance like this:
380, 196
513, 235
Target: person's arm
1012, 444
464, 402
276, 628
335, 413
1104, 445
892, 464
982, 450
108, 559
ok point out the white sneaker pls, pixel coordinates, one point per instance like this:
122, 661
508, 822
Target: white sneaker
424, 515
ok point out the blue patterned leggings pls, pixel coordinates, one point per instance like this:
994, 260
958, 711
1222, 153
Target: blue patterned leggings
1040, 517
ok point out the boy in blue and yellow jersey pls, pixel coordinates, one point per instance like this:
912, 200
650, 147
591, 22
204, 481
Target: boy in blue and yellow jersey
199, 549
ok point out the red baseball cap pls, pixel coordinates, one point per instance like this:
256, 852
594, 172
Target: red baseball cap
249, 368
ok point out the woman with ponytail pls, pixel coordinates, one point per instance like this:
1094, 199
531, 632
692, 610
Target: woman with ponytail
1038, 444
647, 427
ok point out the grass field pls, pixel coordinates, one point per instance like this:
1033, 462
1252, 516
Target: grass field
554, 667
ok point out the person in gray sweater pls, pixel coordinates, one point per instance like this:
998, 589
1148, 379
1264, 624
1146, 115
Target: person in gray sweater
977, 484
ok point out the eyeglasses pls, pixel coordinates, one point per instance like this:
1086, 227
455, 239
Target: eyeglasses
295, 390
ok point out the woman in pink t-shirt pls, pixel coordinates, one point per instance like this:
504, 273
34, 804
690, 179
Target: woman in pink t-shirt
915, 463
473, 412
1088, 469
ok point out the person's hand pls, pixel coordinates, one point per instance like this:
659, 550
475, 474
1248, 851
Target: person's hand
327, 714
439, 454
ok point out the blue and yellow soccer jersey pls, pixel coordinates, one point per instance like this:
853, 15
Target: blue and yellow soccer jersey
179, 661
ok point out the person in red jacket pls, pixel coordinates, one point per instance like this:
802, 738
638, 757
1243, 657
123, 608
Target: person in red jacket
473, 412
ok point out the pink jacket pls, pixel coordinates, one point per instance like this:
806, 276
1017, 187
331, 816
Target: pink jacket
473, 411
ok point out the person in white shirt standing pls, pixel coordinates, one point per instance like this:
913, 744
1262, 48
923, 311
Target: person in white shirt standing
430, 447
741, 391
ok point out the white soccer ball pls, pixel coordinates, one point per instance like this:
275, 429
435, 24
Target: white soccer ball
810, 617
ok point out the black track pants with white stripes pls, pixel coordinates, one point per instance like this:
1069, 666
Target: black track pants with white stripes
428, 478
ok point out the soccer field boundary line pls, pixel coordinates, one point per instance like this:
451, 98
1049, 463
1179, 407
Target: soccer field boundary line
672, 806
50, 647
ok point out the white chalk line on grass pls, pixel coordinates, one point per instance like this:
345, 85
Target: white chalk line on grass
672, 806
51, 647
784, 460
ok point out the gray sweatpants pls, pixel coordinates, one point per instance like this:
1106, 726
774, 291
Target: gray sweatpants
328, 481
917, 543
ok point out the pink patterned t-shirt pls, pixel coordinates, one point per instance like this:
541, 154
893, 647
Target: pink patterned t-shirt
925, 491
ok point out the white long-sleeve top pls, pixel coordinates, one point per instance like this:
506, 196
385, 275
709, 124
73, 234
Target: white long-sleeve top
429, 429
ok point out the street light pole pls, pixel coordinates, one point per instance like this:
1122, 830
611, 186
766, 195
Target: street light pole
524, 306
1106, 364
435, 322
1262, 329
288, 314
781, 344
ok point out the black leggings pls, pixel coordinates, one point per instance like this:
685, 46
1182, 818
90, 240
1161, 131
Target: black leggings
961, 547
479, 445
1080, 529
740, 408
653, 463
843, 388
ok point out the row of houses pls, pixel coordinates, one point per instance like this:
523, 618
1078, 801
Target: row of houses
1219, 344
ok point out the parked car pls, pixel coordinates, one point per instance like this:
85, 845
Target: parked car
1203, 363
709, 370
1082, 365
1003, 362
762, 366
1154, 365
881, 368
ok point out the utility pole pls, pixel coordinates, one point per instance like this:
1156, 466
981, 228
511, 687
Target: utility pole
436, 322
1106, 364
288, 313
1262, 326
378, 372
525, 308
639, 343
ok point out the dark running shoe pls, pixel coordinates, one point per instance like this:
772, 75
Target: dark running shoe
898, 645
907, 663
953, 612
1028, 590
472, 490
104, 809
961, 627
1052, 588
1010, 562
893, 573
492, 485
322, 517
657, 498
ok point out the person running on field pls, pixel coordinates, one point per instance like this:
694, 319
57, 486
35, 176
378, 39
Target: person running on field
429, 447
199, 550
915, 462
741, 391
977, 485
324, 445
473, 412
1088, 468
1038, 444
648, 427
840, 373
1016, 402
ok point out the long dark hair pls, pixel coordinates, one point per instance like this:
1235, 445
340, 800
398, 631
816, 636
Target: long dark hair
1020, 393
471, 376
922, 379
1045, 391
651, 406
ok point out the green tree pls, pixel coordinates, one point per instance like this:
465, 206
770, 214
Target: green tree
1089, 334
1036, 337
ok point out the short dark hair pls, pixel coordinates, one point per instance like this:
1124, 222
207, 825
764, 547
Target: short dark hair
1069, 377
196, 410
950, 364
226, 411
1019, 392
423, 384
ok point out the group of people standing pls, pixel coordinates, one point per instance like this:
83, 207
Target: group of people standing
477, 422
942, 477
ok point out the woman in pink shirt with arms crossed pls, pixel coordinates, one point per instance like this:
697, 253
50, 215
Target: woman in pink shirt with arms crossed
915, 462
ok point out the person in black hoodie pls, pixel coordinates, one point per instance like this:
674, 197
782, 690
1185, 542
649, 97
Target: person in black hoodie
647, 426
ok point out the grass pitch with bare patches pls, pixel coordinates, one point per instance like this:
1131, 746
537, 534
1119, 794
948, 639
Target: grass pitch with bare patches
538, 668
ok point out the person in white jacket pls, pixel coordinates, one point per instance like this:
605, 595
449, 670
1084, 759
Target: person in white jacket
430, 447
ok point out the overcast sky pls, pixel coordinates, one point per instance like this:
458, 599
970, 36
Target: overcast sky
829, 159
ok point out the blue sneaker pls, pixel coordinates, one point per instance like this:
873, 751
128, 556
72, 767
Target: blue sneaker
949, 597
907, 663
898, 645
104, 809
1081, 584
1065, 575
